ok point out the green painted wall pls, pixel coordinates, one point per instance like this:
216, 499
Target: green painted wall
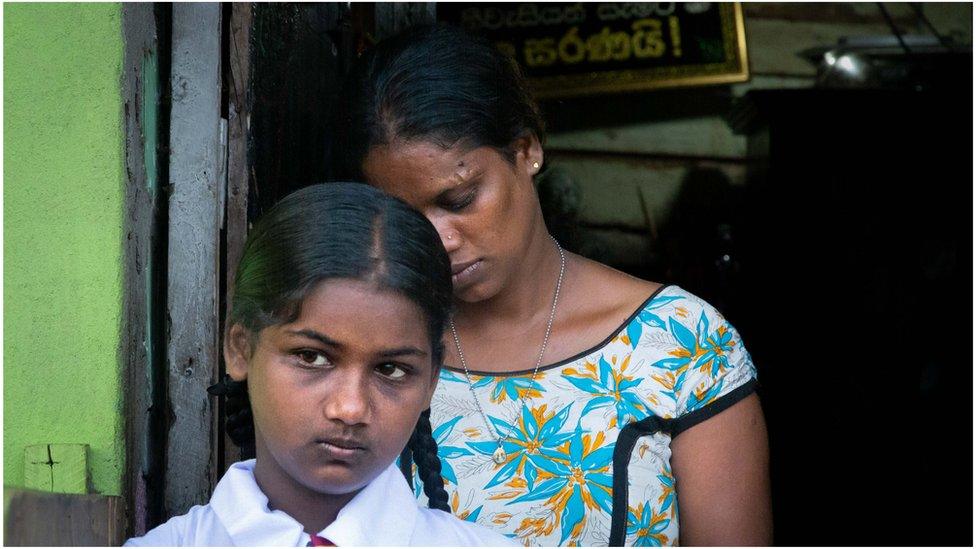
62, 243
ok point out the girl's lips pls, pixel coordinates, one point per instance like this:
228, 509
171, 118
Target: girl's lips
341, 449
463, 273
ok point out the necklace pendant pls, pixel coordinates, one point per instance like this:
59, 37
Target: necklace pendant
499, 456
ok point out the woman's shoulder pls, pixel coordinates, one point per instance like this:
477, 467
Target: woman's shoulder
605, 300
603, 281
610, 305
607, 293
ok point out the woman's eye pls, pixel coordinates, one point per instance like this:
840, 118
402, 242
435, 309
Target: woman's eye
392, 371
461, 203
312, 358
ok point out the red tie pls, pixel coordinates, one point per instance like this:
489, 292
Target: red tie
319, 541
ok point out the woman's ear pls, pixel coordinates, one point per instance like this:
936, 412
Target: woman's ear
237, 352
528, 153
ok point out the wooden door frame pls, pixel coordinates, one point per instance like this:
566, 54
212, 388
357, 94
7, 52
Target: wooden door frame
197, 160
210, 180
143, 84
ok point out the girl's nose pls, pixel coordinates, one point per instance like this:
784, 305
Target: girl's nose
348, 399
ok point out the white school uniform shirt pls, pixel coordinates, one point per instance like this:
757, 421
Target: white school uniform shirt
385, 512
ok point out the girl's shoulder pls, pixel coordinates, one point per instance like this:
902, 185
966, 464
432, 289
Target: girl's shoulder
198, 527
437, 528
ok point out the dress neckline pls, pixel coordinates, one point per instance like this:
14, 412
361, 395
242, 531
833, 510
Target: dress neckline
577, 356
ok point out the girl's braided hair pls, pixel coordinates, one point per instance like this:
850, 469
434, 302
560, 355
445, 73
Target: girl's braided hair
340, 230
424, 449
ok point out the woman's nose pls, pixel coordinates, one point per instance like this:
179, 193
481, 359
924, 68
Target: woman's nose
348, 399
450, 238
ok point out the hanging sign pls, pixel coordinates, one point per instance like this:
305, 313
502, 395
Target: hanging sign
568, 49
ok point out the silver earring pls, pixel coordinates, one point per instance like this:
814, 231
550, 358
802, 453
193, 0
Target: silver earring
535, 165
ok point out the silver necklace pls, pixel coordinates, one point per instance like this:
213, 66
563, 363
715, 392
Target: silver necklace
499, 455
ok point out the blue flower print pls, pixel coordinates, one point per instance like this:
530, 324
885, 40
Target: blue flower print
716, 346
447, 453
648, 318
573, 478
517, 387
609, 387
647, 525
704, 395
511, 387
451, 377
536, 431
506, 387
467, 514
707, 350
666, 499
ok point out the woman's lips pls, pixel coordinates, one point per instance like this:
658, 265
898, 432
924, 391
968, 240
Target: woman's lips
463, 272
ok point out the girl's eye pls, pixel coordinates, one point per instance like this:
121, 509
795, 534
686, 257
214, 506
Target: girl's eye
312, 358
392, 371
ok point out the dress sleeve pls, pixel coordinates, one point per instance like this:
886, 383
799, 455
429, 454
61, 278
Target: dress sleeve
719, 371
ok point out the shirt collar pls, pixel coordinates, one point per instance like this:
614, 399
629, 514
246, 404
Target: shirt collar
243, 509
382, 513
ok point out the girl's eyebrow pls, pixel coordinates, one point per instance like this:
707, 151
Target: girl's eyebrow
385, 353
403, 351
312, 334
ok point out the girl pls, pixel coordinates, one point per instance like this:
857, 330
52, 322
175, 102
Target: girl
580, 406
340, 303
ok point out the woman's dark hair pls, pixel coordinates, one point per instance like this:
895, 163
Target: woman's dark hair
340, 230
436, 83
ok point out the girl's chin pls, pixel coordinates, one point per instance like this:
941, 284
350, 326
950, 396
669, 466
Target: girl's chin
338, 480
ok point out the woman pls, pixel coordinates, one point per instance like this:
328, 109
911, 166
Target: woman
578, 405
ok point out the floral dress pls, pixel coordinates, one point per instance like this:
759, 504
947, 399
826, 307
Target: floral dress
588, 454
